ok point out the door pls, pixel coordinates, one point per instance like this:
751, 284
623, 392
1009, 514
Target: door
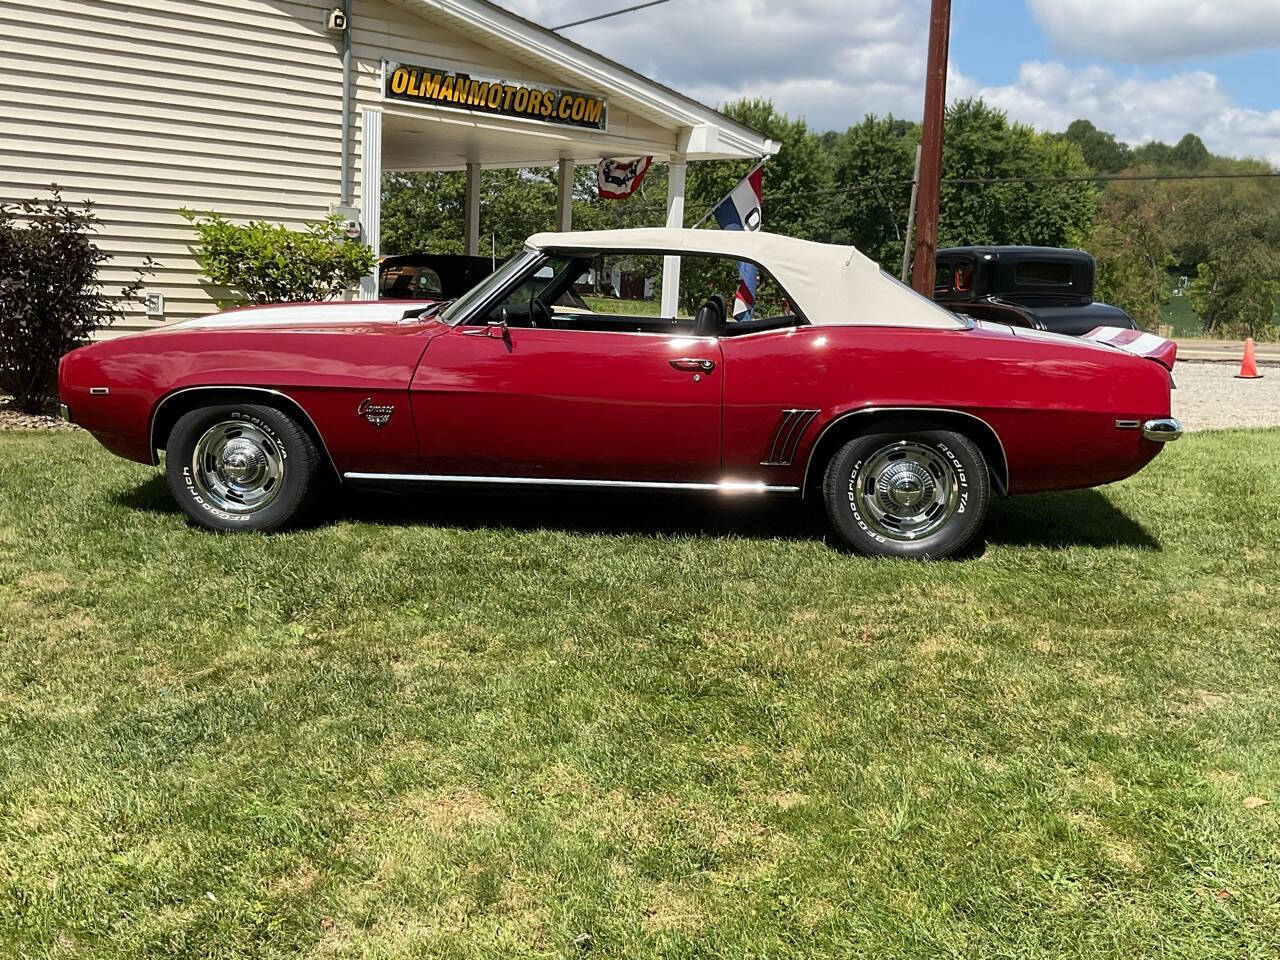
532, 402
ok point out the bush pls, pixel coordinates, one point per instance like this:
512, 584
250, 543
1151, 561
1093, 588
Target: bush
50, 297
264, 262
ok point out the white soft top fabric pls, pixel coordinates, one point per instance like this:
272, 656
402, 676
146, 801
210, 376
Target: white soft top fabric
829, 284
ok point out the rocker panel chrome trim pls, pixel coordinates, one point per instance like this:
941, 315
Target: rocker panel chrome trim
871, 410
155, 415
725, 486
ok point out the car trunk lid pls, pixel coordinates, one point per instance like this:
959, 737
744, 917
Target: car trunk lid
1140, 344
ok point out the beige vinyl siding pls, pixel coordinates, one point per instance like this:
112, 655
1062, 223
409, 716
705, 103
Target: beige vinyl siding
147, 105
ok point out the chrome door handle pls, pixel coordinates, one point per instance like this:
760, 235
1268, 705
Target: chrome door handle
693, 363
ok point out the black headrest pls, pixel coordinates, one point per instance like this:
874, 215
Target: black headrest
710, 318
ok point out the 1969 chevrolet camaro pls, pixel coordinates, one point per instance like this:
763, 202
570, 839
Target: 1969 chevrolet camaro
902, 416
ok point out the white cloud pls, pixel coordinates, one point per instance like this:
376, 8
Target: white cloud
1151, 30
1136, 109
833, 61
829, 61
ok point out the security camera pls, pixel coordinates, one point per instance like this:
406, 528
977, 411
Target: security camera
336, 21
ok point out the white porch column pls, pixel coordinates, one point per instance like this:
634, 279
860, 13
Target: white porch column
471, 233
371, 194
675, 218
564, 195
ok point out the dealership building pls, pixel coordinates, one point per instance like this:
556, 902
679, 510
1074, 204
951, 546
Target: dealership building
287, 110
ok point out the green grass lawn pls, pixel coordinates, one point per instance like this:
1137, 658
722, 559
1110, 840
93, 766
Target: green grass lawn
634, 308
464, 726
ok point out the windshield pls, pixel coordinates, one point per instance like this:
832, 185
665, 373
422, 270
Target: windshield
495, 281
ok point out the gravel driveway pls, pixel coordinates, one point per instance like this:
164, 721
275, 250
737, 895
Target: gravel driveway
1209, 396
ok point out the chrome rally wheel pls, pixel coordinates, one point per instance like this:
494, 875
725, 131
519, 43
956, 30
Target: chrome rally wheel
241, 466
238, 466
912, 494
907, 490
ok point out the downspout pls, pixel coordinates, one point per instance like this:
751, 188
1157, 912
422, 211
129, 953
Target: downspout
344, 189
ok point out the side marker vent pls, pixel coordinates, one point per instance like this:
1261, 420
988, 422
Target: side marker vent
786, 437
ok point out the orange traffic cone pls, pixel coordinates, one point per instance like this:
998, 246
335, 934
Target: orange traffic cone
1248, 366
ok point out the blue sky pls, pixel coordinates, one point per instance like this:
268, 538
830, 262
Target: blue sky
1143, 69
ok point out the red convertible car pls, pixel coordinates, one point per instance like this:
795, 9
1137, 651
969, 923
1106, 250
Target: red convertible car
905, 418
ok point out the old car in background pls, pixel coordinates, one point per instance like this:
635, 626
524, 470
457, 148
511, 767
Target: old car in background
903, 417
444, 276
1044, 288
430, 276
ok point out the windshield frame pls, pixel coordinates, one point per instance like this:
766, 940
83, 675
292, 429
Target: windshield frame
488, 289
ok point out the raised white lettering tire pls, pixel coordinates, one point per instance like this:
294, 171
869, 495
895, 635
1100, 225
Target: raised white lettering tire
907, 494
240, 466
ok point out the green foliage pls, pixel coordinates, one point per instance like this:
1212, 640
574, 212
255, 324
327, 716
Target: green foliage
51, 300
263, 262
1101, 151
1236, 296
1131, 244
873, 162
979, 142
796, 181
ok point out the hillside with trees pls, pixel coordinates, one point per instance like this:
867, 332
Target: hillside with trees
1202, 241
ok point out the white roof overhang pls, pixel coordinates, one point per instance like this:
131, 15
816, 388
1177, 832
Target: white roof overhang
829, 284
696, 130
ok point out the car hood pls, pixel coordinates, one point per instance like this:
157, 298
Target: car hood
299, 318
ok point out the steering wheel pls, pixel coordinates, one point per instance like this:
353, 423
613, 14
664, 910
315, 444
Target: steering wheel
539, 311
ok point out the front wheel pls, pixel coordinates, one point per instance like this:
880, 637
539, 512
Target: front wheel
240, 467
908, 494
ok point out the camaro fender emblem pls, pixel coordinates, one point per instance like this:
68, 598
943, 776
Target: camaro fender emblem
376, 413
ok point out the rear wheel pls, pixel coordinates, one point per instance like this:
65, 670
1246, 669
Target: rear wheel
909, 494
241, 467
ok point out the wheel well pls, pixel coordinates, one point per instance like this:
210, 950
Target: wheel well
172, 407
843, 429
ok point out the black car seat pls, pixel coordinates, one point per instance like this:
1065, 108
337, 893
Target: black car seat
710, 318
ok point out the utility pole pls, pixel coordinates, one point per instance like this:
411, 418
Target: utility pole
935, 103
911, 218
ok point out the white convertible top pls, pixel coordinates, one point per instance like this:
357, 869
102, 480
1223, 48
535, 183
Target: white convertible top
829, 284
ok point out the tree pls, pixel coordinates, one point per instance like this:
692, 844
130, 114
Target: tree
873, 163
426, 212
796, 187
50, 298
1100, 149
1133, 248
980, 143
263, 262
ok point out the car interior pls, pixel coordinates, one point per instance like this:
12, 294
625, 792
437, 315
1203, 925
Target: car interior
541, 305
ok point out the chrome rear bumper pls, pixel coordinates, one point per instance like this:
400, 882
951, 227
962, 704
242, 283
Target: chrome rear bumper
1162, 430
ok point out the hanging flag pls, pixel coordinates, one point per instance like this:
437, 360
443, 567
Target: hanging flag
741, 210
618, 178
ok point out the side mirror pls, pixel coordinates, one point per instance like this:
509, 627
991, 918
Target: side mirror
495, 329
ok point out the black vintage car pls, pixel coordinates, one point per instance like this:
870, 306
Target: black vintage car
430, 276
1045, 288
445, 276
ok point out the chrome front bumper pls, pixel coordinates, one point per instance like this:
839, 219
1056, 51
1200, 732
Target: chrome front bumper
1162, 430
65, 412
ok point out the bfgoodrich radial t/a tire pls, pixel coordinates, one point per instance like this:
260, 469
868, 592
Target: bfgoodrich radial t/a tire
907, 494
241, 466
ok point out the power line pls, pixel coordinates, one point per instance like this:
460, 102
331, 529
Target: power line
606, 16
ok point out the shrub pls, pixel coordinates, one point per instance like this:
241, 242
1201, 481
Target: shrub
264, 262
50, 298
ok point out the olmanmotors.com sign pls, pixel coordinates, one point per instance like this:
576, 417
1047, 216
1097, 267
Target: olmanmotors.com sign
412, 83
